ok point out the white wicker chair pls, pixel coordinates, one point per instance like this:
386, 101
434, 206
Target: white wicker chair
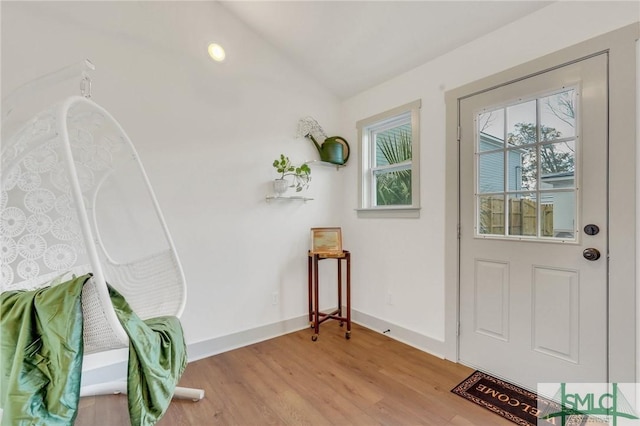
76, 199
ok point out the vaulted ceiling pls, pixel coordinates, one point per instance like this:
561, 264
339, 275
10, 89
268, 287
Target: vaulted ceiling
349, 46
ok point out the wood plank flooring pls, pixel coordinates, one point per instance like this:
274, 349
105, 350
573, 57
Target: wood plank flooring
370, 379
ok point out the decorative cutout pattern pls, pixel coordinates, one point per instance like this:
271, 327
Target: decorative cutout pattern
39, 200
28, 269
39, 224
40, 234
60, 257
31, 246
13, 221
8, 250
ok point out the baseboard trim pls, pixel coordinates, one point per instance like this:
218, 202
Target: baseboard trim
95, 373
210, 347
113, 366
412, 338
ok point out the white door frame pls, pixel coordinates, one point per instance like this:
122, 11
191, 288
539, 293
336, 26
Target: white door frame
620, 46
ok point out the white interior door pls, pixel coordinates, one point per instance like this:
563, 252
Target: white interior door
533, 213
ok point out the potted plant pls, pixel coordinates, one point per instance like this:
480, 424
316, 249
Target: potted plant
300, 175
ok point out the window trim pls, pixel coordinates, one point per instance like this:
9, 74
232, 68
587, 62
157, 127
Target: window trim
365, 177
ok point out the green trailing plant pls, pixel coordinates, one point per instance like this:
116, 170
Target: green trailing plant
300, 175
394, 188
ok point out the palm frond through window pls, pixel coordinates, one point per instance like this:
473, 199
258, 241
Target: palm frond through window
392, 170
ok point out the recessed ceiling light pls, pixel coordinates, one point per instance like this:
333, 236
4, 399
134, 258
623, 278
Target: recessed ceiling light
216, 52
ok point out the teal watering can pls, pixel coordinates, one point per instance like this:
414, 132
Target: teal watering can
334, 149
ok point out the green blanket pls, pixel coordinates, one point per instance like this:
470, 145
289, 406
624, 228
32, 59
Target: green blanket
41, 357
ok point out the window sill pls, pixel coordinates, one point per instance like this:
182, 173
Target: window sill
389, 212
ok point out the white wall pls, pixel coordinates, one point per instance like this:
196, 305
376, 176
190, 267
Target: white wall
207, 134
406, 256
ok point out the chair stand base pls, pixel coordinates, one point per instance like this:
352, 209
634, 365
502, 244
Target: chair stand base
110, 388
115, 388
188, 393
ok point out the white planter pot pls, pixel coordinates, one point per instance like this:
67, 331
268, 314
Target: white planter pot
280, 186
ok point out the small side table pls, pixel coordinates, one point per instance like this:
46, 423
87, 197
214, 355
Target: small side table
315, 316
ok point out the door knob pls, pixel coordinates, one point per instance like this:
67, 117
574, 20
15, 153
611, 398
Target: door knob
591, 254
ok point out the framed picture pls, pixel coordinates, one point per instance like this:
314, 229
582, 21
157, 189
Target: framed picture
327, 241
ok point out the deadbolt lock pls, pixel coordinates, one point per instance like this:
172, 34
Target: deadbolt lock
591, 229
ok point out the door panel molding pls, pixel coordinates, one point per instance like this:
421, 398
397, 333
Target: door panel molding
552, 289
491, 295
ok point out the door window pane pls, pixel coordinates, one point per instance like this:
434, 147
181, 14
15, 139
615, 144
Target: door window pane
558, 211
557, 115
522, 169
491, 215
491, 172
491, 130
557, 165
523, 214
521, 123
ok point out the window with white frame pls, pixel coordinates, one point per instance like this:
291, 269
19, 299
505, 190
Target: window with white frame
389, 163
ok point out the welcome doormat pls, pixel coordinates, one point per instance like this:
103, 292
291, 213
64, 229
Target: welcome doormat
505, 399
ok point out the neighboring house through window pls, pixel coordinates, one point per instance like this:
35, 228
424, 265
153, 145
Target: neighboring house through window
389, 178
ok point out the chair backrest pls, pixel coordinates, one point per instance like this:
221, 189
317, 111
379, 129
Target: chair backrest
76, 199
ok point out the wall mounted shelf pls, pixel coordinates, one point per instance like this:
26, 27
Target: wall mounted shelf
271, 198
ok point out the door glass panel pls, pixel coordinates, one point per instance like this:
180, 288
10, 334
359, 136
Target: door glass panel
523, 214
558, 212
537, 197
557, 116
522, 169
491, 172
557, 165
491, 214
521, 123
491, 130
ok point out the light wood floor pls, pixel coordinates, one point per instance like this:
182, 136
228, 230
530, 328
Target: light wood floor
290, 380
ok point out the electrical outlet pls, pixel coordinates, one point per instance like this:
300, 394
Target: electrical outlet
389, 298
274, 298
